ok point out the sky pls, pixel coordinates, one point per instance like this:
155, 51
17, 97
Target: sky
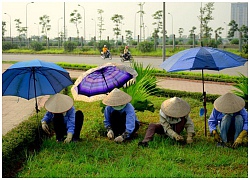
184, 15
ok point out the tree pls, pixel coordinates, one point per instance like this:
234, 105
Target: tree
205, 17
181, 30
192, 31
117, 19
244, 30
75, 18
158, 23
129, 38
233, 28
44, 21
218, 32
3, 28
21, 30
100, 24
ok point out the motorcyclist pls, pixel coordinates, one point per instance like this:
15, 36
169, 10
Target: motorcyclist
126, 52
105, 50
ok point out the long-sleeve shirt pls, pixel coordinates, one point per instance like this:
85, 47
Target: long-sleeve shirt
217, 116
130, 117
69, 119
166, 122
104, 50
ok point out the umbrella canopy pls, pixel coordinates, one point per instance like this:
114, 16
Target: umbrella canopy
30, 79
96, 82
201, 58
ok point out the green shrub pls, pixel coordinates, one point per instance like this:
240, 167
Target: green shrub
36, 46
69, 46
242, 88
146, 46
8, 45
18, 143
234, 41
102, 43
245, 48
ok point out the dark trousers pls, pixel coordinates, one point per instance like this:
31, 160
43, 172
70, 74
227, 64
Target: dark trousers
157, 128
118, 124
61, 129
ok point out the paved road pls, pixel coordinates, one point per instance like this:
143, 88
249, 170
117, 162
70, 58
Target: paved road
96, 60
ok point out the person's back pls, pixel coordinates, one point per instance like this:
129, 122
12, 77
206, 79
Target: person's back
104, 50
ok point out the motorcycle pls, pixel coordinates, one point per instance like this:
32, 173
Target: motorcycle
127, 57
107, 55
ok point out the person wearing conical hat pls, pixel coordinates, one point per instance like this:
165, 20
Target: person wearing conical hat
61, 113
174, 117
230, 117
119, 116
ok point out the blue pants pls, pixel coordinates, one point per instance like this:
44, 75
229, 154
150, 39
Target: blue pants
231, 126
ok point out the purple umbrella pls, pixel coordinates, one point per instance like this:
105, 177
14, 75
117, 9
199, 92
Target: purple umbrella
99, 81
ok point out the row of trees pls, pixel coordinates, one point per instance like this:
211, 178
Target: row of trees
205, 17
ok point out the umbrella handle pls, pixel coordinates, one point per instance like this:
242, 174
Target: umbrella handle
205, 112
37, 110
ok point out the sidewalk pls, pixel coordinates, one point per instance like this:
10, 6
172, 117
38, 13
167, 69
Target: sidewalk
15, 109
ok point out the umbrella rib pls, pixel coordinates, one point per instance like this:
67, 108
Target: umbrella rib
51, 74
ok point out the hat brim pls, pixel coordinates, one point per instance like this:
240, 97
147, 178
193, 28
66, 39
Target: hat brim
229, 103
116, 98
175, 107
58, 103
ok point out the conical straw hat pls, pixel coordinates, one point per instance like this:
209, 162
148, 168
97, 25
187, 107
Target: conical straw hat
229, 103
175, 107
116, 98
58, 103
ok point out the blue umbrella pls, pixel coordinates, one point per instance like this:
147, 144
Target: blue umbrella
201, 58
30, 79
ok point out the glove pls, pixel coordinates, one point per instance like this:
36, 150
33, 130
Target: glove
45, 127
110, 134
217, 137
68, 138
190, 138
239, 139
178, 137
119, 139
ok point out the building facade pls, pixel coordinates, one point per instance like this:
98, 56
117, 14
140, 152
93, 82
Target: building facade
239, 13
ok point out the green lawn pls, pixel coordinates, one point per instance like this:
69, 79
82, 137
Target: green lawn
97, 157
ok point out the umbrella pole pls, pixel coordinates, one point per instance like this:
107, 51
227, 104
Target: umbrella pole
204, 104
105, 80
37, 110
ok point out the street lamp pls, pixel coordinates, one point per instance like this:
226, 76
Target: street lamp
147, 30
84, 21
58, 26
135, 27
27, 20
38, 29
172, 23
226, 28
95, 26
10, 23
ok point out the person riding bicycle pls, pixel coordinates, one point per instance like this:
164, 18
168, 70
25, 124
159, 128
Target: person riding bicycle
105, 50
